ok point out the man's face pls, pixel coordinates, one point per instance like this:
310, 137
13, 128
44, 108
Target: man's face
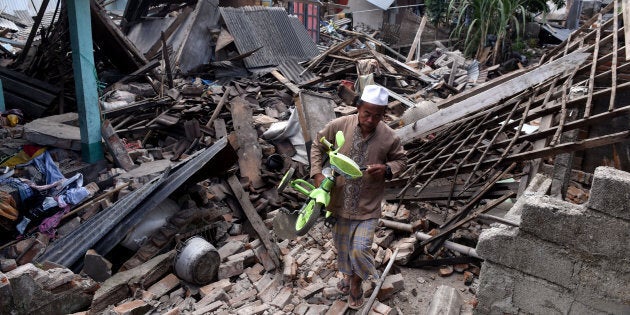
370, 115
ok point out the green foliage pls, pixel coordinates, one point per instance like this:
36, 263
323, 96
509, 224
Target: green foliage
436, 10
476, 19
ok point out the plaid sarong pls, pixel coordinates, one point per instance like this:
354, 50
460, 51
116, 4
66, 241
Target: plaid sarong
353, 240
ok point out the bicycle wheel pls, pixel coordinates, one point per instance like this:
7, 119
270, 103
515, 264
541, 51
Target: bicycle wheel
307, 217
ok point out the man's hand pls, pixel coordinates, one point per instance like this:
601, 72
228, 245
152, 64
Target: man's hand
376, 169
318, 179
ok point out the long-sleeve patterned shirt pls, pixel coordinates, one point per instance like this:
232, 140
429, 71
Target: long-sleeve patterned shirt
359, 199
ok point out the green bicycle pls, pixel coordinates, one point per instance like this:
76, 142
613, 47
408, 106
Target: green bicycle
288, 224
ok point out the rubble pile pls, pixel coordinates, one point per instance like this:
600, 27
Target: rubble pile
178, 217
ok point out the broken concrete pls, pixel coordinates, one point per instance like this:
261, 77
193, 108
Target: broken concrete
562, 256
57, 290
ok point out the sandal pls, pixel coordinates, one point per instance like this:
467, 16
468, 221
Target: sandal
343, 286
357, 300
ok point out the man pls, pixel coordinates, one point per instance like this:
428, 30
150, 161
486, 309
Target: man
356, 204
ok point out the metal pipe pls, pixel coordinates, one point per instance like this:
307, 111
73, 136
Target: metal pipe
405, 227
368, 306
497, 219
452, 246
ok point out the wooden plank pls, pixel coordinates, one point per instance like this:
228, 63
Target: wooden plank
587, 108
225, 38
416, 40
116, 147
217, 109
249, 153
315, 111
292, 87
382, 60
613, 67
255, 219
625, 7
487, 98
220, 130
168, 32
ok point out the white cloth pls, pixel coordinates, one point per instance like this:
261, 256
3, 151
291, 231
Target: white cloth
375, 94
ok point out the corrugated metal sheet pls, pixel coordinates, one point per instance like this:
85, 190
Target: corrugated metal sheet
292, 69
271, 30
308, 45
25, 9
382, 4
246, 37
291, 40
271, 35
4, 23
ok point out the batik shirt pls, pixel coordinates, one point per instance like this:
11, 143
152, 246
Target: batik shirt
360, 199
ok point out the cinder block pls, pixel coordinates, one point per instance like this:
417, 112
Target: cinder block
506, 246
576, 227
610, 192
504, 290
604, 286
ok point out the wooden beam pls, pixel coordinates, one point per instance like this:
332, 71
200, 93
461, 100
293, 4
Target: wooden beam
487, 98
168, 32
255, 219
625, 7
249, 152
416, 40
292, 87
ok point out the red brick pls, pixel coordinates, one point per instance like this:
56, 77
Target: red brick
167, 284
133, 307
338, 307
283, 298
224, 284
311, 290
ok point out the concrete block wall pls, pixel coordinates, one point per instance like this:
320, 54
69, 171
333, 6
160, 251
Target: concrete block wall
564, 258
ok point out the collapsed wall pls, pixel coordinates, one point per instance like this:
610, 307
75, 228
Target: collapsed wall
564, 258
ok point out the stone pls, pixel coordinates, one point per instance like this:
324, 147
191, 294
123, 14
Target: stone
33, 290
445, 271
446, 301
96, 266
610, 192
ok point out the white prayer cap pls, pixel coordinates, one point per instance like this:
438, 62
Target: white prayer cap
375, 94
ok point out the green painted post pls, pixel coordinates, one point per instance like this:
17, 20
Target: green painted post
85, 79
2, 106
